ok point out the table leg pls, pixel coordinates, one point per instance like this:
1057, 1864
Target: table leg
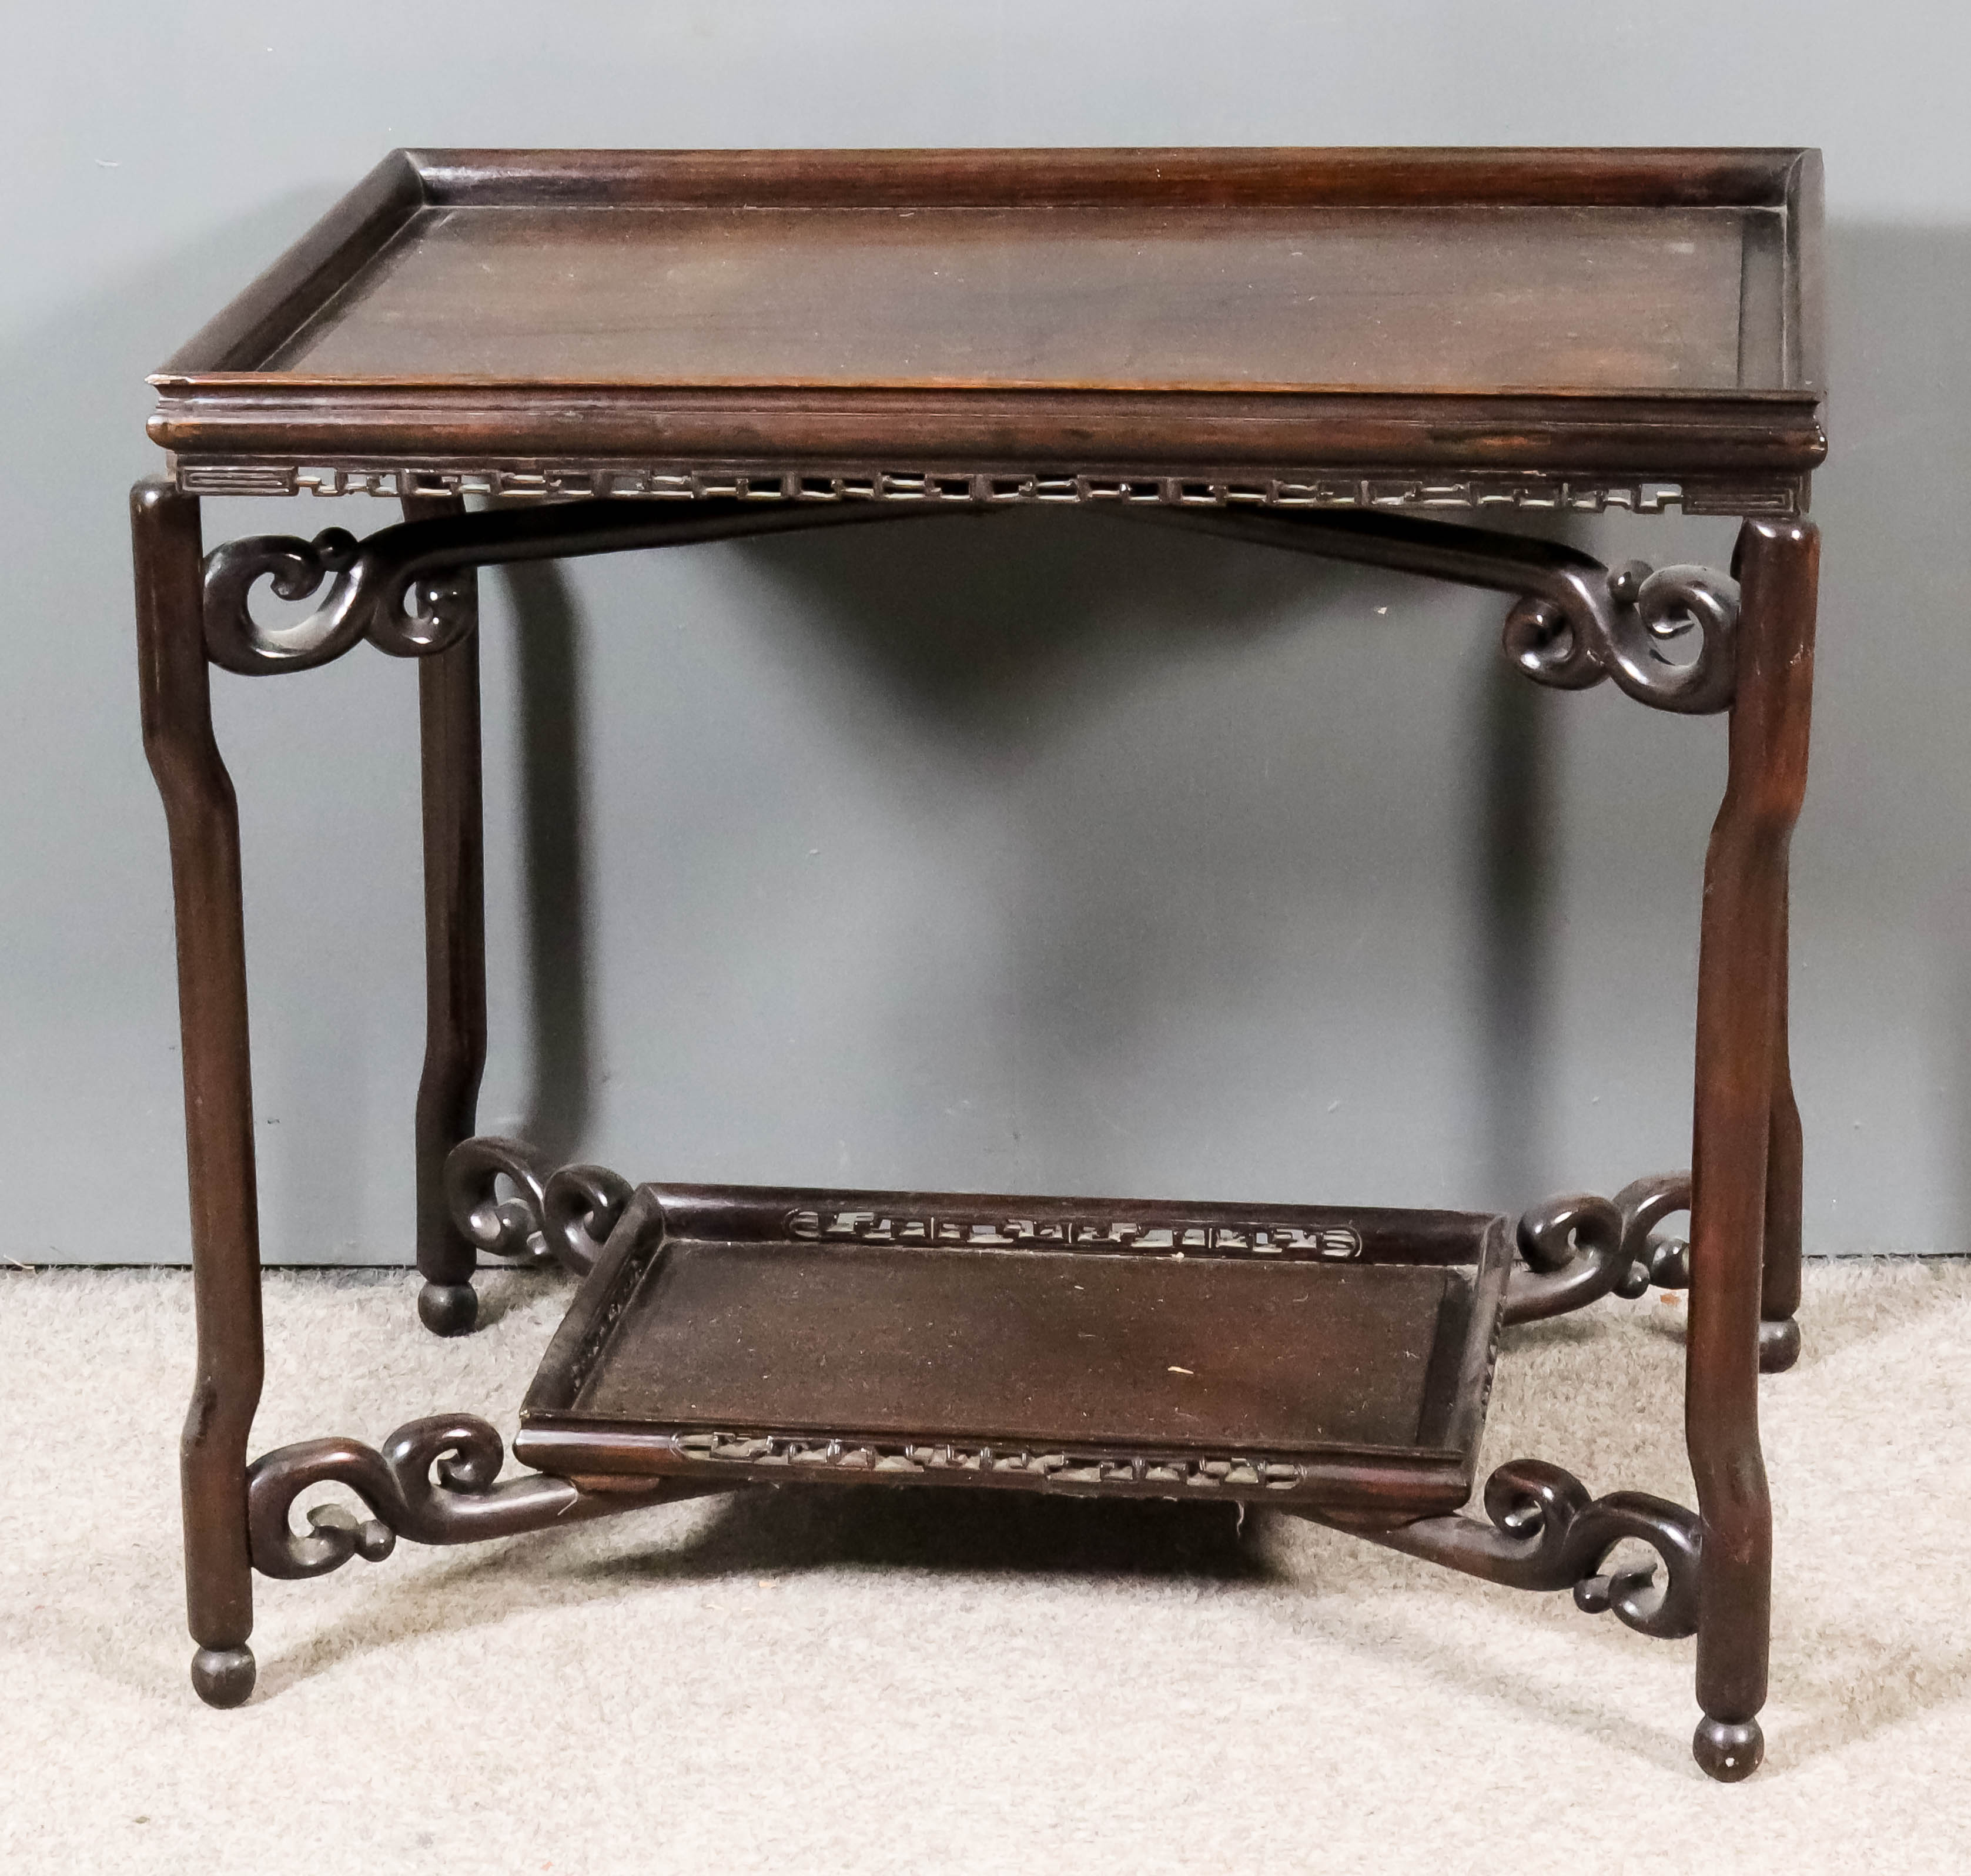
454, 951
1779, 1302
1739, 1104
204, 823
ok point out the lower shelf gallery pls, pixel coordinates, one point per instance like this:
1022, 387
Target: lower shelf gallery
1333, 1364
1307, 1355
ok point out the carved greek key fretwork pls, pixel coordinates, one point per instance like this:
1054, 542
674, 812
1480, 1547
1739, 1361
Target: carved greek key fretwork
1273, 1240
1421, 490
1229, 1472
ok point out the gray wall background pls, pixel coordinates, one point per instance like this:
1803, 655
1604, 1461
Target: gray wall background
1049, 855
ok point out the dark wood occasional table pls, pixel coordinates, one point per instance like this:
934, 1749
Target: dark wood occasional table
1324, 351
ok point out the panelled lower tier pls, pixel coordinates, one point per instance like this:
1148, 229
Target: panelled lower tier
1318, 1355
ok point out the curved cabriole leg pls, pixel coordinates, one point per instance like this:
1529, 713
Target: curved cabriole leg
1739, 978
455, 942
204, 823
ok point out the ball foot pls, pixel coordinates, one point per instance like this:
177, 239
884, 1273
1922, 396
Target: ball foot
1728, 1750
1779, 1346
448, 1308
223, 1677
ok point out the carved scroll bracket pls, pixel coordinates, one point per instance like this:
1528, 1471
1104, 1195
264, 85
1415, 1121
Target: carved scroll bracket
406, 609
1578, 1249
407, 588
1573, 622
561, 1217
1623, 625
434, 1483
1546, 1533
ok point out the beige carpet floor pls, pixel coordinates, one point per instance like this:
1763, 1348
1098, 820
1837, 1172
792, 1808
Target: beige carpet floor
849, 1679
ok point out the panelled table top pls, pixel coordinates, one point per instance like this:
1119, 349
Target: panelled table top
1318, 327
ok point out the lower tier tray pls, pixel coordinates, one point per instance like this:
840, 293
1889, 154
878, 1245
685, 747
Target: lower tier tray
1313, 1355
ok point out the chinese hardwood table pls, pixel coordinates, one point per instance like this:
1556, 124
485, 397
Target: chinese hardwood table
554, 353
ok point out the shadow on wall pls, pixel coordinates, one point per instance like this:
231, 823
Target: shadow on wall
977, 644
1882, 875
1517, 892
1054, 615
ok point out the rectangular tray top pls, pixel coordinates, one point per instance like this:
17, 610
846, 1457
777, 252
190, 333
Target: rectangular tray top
1124, 312
1305, 1352
1165, 298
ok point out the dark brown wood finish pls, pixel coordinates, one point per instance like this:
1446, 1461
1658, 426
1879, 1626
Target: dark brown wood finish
407, 589
1612, 317
964, 1338
1133, 297
204, 823
1786, 1150
455, 945
1740, 1021
1234, 340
